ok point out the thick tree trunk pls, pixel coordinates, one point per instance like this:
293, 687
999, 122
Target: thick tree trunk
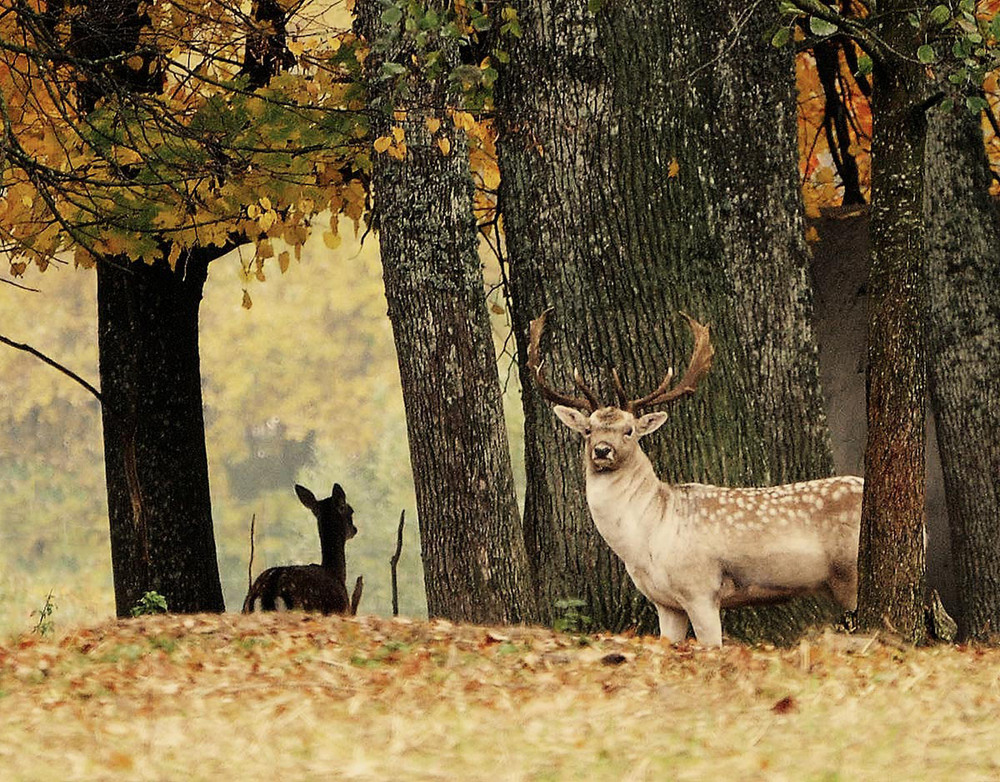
963, 329
475, 566
154, 435
891, 556
648, 166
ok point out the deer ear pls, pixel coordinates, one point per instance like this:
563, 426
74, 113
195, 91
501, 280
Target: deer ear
649, 423
574, 419
338, 493
306, 497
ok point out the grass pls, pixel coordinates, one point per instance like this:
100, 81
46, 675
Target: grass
305, 697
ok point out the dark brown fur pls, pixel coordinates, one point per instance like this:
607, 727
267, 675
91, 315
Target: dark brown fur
321, 588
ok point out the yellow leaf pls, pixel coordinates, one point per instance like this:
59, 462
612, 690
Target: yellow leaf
175, 253
283, 260
812, 235
673, 168
135, 62
496, 308
398, 133
444, 145
266, 220
433, 123
331, 240
383, 143
398, 152
264, 249
491, 177
247, 303
399, 115
265, 203
253, 211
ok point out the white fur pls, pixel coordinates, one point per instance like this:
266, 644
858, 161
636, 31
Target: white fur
693, 549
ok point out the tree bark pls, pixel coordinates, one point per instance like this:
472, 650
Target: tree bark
963, 329
648, 166
891, 555
475, 566
156, 465
154, 435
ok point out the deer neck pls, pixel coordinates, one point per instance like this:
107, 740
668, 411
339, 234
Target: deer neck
332, 545
625, 503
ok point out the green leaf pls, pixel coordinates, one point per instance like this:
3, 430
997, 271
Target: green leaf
940, 14
865, 65
595, 5
976, 104
781, 36
481, 23
926, 53
821, 27
789, 8
947, 105
391, 16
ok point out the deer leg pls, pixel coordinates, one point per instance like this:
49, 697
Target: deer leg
843, 584
673, 624
706, 620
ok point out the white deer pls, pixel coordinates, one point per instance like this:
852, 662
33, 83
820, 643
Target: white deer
691, 548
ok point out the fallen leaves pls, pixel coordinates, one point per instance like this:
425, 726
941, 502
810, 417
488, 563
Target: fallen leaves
298, 695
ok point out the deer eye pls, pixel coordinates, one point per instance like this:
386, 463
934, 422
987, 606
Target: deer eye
586, 432
628, 432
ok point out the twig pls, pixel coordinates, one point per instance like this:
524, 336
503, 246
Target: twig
359, 587
395, 561
253, 523
55, 364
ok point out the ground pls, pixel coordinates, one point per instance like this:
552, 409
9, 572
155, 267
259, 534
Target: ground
302, 697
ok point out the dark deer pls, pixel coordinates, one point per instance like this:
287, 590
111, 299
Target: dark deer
322, 587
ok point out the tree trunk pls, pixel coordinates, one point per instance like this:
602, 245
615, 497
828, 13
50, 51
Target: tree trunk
154, 435
891, 555
963, 329
475, 567
648, 166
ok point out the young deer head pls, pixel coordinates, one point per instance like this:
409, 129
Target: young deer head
320, 587
690, 548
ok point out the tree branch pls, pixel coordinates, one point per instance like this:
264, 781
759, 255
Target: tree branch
873, 46
55, 364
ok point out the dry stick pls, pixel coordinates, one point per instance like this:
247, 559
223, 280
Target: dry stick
253, 522
395, 561
359, 586
53, 363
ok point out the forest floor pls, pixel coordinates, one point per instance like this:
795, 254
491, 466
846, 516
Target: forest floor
303, 697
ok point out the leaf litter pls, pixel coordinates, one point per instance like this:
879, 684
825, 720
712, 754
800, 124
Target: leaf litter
301, 696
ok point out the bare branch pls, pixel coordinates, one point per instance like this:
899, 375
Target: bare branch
55, 364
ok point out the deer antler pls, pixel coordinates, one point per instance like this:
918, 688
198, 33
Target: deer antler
701, 362
590, 403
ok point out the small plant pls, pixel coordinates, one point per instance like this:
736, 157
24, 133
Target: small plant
45, 624
569, 619
151, 603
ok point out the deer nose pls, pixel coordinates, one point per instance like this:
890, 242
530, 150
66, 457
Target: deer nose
602, 451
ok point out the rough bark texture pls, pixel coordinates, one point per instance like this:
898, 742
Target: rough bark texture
963, 331
891, 555
154, 435
475, 567
648, 166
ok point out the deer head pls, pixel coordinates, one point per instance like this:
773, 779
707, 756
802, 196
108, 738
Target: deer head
611, 433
